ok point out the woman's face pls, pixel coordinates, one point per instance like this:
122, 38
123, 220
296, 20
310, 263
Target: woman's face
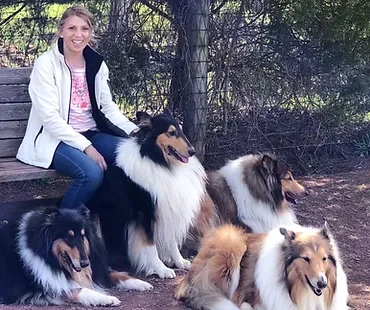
76, 34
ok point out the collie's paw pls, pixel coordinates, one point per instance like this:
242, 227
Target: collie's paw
183, 264
246, 306
88, 297
135, 284
110, 301
166, 272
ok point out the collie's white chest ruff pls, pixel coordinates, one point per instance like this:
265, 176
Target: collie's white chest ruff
255, 213
177, 193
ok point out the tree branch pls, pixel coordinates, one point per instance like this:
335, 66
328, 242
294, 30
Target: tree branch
10, 17
156, 10
216, 10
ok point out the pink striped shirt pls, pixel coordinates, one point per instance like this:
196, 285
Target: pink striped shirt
80, 113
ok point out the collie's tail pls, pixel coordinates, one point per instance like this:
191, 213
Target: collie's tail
215, 272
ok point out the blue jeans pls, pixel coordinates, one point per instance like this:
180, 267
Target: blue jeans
86, 173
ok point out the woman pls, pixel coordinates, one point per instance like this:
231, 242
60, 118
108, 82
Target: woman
74, 126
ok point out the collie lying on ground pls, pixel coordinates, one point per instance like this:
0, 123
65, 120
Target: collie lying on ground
255, 192
296, 268
152, 196
51, 255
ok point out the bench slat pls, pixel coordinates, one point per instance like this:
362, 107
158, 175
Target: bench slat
15, 105
12, 129
14, 111
9, 147
14, 93
15, 75
17, 171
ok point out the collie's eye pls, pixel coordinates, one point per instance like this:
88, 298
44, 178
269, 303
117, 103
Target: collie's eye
324, 259
172, 133
306, 259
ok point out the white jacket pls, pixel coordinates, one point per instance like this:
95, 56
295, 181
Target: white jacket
50, 91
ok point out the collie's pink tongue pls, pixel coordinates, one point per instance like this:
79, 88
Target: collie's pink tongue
184, 159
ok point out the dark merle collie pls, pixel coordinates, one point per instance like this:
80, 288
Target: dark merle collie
152, 195
52, 255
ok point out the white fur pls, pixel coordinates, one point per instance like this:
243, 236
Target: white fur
54, 282
273, 292
246, 306
178, 192
234, 282
341, 295
224, 304
134, 284
144, 257
253, 212
88, 297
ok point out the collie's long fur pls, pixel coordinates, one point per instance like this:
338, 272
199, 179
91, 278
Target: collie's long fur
255, 192
291, 268
152, 195
52, 254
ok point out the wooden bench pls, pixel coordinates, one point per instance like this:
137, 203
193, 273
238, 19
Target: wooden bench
15, 105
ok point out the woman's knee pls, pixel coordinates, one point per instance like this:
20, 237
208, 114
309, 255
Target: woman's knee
91, 177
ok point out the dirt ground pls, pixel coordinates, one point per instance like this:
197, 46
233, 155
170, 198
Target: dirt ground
342, 199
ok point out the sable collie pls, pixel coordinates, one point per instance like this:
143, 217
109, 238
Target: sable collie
52, 255
255, 192
292, 268
152, 195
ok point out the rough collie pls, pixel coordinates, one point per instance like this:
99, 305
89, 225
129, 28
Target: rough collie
255, 192
52, 255
292, 268
152, 195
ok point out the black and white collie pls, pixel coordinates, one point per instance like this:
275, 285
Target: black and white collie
255, 192
152, 195
295, 268
51, 256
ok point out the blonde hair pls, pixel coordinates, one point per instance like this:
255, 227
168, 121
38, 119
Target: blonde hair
80, 11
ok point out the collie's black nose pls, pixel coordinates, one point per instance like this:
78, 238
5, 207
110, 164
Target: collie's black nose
84, 263
321, 284
191, 152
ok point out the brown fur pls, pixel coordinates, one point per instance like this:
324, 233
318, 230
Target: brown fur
223, 199
175, 139
224, 204
116, 277
247, 290
227, 247
61, 250
207, 218
252, 176
212, 270
317, 249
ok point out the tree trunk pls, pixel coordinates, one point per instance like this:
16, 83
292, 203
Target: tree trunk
119, 17
189, 80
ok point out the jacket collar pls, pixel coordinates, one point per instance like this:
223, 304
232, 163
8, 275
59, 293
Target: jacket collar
93, 58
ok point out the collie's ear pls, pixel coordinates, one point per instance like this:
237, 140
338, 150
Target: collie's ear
167, 112
84, 211
282, 168
325, 230
288, 234
50, 214
142, 116
268, 163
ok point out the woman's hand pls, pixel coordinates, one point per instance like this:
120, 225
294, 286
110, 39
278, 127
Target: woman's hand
96, 156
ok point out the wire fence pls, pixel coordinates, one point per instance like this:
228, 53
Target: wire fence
264, 91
